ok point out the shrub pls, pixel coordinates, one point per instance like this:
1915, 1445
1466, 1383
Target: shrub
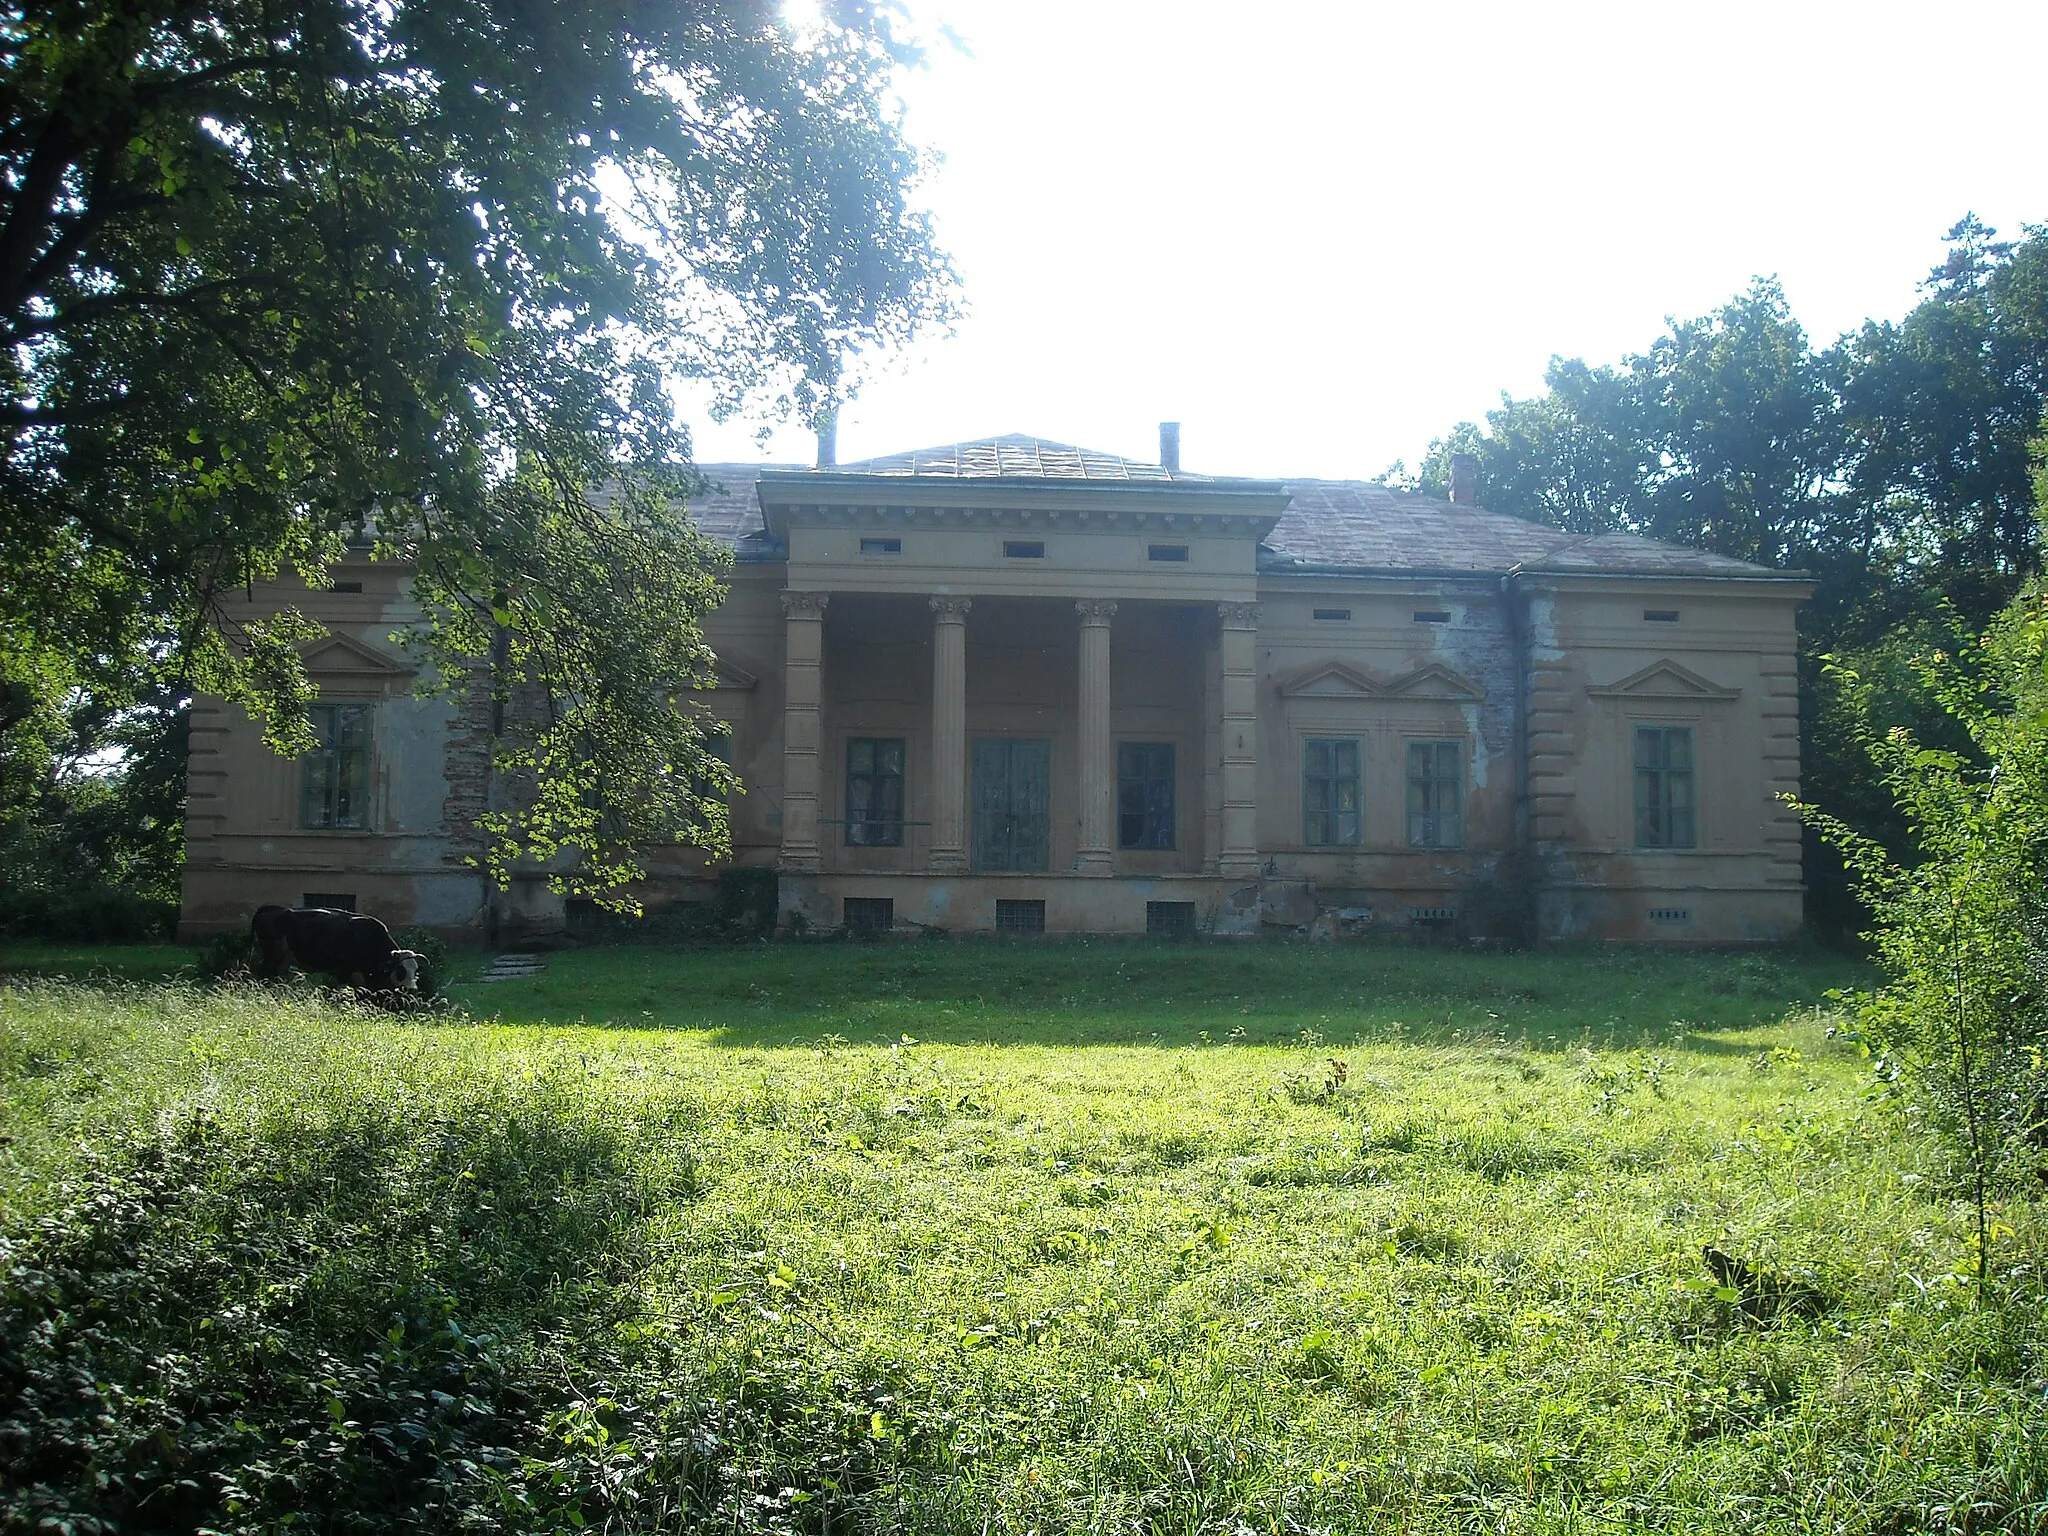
1963, 930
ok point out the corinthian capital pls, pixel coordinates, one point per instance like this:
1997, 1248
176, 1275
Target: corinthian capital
1095, 610
1238, 615
805, 605
951, 610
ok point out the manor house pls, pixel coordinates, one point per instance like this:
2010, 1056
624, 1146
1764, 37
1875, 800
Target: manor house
1018, 686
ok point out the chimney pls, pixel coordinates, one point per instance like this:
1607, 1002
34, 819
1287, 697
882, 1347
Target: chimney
1464, 479
828, 440
1169, 447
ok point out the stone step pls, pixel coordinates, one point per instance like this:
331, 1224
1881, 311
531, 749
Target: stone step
513, 968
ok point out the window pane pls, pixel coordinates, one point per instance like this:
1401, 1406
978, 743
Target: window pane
1145, 794
874, 791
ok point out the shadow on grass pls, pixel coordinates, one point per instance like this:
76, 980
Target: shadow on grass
331, 1319
1094, 992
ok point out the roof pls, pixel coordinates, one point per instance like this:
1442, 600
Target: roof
1329, 525
1361, 525
1014, 456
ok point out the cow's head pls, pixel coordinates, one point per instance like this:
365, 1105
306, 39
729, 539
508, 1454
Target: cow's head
402, 972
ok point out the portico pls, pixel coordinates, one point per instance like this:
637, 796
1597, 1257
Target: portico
1017, 682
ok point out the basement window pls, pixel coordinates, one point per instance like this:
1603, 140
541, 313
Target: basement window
1023, 549
345, 586
333, 901
1020, 917
1431, 616
868, 914
881, 546
1660, 615
1333, 615
1170, 919
1168, 552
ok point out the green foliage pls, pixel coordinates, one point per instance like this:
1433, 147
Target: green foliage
773, 1267
1963, 929
275, 276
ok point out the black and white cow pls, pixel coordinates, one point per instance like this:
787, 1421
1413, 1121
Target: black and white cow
350, 948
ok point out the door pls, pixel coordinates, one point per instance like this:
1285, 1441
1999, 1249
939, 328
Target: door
1012, 802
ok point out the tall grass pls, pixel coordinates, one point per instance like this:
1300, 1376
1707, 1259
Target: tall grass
268, 1258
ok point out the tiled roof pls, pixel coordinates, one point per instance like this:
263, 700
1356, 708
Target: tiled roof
1358, 525
1016, 455
1328, 524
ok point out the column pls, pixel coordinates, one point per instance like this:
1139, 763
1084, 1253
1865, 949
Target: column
803, 681
949, 733
1098, 769
1239, 856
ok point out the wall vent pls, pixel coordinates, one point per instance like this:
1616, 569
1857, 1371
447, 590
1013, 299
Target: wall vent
1431, 616
1333, 615
881, 546
1020, 917
1671, 914
1171, 552
1023, 549
337, 901
345, 586
1660, 615
1432, 914
868, 914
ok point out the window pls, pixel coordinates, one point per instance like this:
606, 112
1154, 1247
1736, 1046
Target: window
868, 914
1144, 794
1023, 549
874, 792
1166, 552
1020, 917
1170, 919
1660, 615
1664, 788
1431, 616
1329, 793
1436, 794
881, 546
334, 778
1333, 615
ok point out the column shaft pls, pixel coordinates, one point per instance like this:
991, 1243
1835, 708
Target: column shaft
949, 733
803, 681
1098, 768
1239, 855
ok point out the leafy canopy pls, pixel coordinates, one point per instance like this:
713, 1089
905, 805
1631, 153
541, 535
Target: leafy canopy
275, 273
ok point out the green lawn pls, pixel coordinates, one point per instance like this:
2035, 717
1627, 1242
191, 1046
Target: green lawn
976, 1237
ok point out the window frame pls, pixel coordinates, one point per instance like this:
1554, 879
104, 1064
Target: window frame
1322, 825
1654, 806
1424, 823
328, 754
864, 828
1157, 812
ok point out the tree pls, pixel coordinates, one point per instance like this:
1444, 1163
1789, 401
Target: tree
278, 272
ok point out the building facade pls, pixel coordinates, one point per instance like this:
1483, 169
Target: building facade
1018, 686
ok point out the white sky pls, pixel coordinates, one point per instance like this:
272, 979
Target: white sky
1320, 235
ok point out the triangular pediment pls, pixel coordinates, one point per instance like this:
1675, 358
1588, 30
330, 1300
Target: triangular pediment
1332, 680
1664, 679
1434, 681
725, 675
339, 653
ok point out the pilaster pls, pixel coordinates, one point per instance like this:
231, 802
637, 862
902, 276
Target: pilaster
1238, 857
803, 697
